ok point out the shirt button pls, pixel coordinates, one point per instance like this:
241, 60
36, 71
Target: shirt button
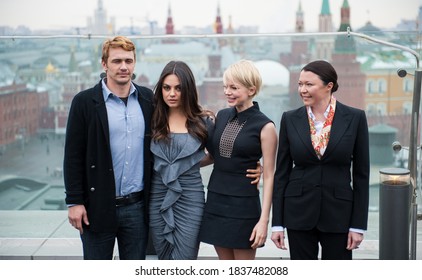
92, 189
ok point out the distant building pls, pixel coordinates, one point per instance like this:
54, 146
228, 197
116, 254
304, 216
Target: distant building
324, 45
73, 83
274, 95
298, 55
20, 111
100, 25
218, 24
350, 76
387, 94
169, 24
169, 28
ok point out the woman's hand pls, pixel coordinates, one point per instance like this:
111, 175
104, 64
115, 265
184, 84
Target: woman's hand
259, 234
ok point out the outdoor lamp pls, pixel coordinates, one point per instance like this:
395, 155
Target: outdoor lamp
394, 213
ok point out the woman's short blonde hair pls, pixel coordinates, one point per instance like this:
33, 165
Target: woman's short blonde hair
245, 73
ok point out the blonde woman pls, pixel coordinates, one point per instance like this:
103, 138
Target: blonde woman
234, 221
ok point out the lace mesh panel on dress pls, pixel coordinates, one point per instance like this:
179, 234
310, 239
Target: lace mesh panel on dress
230, 133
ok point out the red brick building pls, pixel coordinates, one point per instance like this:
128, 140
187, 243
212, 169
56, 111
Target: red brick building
20, 112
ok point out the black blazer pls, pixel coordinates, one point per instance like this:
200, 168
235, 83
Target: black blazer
331, 193
88, 168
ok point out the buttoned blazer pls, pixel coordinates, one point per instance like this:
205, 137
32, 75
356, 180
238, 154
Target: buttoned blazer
88, 166
331, 193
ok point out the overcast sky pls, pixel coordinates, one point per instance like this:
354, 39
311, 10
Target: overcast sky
269, 15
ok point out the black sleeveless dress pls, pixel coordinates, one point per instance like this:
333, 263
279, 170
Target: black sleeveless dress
233, 204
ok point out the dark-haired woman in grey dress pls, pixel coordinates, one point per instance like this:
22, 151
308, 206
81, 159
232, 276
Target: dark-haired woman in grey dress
180, 129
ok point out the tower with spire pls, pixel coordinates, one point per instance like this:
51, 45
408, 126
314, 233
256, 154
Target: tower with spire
300, 23
351, 79
325, 18
100, 26
230, 29
218, 25
169, 24
324, 46
299, 47
345, 44
169, 28
73, 64
298, 56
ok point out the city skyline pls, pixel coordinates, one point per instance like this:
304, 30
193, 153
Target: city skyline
275, 16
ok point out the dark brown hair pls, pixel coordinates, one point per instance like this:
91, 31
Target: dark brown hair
325, 72
189, 101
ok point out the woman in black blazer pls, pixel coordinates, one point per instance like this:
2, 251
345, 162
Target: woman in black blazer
321, 184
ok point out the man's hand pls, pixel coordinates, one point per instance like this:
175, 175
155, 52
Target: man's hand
353, 240
77, 214
278, 238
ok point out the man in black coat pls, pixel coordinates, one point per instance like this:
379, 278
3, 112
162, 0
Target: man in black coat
107, 160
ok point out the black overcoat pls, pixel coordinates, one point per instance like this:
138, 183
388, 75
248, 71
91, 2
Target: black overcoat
88, 168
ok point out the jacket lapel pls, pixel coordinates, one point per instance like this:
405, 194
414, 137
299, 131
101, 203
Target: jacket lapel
101, 110
341, 122
301, 124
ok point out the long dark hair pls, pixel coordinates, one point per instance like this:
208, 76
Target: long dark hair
325, 72
189, 101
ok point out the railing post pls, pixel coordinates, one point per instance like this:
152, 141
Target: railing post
413, 159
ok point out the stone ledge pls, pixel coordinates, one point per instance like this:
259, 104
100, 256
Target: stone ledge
71, 249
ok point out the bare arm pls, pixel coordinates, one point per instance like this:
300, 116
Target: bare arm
269, 147
207, 160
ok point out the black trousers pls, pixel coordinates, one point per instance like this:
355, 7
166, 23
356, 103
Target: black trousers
304, 245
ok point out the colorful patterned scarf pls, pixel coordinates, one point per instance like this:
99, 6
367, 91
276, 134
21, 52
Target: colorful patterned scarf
320, 140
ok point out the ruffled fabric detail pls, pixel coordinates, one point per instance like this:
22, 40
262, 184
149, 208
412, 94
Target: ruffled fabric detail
173, 165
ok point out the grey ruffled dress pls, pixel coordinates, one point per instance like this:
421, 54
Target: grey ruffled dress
177, 197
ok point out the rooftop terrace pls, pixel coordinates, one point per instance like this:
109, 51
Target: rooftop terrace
47, 235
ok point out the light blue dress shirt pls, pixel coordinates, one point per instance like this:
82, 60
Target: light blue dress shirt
127, 130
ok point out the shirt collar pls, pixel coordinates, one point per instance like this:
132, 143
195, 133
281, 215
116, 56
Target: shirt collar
311, 114
244, 115
107, 92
